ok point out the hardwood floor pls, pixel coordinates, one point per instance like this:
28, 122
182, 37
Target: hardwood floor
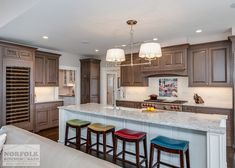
53, 134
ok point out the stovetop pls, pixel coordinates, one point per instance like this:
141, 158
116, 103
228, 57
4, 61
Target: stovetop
166, 101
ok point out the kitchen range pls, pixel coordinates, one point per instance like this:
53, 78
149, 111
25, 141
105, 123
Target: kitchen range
163, 104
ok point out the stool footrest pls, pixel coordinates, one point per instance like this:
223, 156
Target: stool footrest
166, 164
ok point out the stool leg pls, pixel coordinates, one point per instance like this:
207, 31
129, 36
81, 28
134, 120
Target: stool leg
181, 159
66, 135
145, 152
78, 138
114, 149
104, 146
137, 148
151, 156
123, 153
113, 138
187, 158
88, 142
97, 144
158, 158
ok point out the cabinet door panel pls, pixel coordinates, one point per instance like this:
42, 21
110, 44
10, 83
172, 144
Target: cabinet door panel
11, 52
154, 66
26, 55
42, 118
199, 67
219, 67
39, 70
54, 117
52, 71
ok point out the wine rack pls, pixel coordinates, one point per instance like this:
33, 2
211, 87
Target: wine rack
17, 95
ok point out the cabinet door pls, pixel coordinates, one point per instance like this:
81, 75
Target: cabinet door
174, 60
52, 71
85, 91
198, 63
138, 77
39, 70
154, 66
54, 114
42, 118
219, 58
126, 73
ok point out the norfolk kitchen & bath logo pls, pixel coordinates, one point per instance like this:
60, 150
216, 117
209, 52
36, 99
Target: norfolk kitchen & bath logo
21, 155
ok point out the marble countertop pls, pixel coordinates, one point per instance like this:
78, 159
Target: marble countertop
211, 105
195, 121
48, 101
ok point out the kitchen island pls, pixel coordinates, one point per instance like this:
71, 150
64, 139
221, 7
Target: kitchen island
206, 133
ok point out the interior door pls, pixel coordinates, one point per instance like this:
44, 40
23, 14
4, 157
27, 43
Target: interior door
110, 88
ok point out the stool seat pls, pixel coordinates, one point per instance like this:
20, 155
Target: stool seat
170, 143
130, 134
101, 127
77, 122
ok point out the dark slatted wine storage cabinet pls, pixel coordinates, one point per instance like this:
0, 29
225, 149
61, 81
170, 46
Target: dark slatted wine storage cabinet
17, 95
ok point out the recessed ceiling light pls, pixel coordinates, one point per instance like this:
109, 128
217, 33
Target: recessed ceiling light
199, 31
232, 5
96, 50
45, 37
155, 39
124, 45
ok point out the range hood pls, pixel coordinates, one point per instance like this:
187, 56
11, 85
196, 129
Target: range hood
179, 72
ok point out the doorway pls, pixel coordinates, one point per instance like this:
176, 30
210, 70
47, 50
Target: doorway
110, 88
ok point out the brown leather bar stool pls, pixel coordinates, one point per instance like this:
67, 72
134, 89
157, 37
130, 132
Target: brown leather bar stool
136, 137
169, 145
99, 129
78, 125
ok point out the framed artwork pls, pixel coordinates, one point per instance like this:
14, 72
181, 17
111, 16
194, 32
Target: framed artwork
168, 87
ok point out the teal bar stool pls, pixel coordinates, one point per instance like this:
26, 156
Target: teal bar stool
78, 125
169, 145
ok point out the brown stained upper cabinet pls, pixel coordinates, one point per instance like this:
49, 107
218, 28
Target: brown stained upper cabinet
46, 69
90, 81
132, 75
210, 64
172, 62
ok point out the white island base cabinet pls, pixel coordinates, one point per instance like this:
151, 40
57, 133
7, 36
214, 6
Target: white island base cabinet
207, 149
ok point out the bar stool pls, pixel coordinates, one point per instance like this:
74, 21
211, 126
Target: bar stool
99, 129
78, 125
136, 137
169, 145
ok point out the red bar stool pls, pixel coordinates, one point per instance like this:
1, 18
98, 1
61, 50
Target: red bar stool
136, 137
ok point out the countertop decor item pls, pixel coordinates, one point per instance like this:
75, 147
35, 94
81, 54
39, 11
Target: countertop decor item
148, 50
198, 99
153, 97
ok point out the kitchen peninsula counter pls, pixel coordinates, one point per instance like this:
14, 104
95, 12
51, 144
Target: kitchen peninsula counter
206, 133
195, 121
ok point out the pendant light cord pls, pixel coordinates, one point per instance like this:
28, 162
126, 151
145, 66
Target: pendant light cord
131, 43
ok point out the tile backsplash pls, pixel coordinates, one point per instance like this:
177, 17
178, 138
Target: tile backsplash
209, 94
46, 94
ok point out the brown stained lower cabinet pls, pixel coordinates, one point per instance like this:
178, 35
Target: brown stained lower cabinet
47, 115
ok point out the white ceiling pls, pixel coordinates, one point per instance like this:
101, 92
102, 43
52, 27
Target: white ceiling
101, 23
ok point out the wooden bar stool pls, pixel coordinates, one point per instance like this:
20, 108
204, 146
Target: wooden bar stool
169, 145
136, 137
78, 125
99, 129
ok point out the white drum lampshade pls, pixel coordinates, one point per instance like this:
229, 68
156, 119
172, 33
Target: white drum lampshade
150, 51
115, 55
